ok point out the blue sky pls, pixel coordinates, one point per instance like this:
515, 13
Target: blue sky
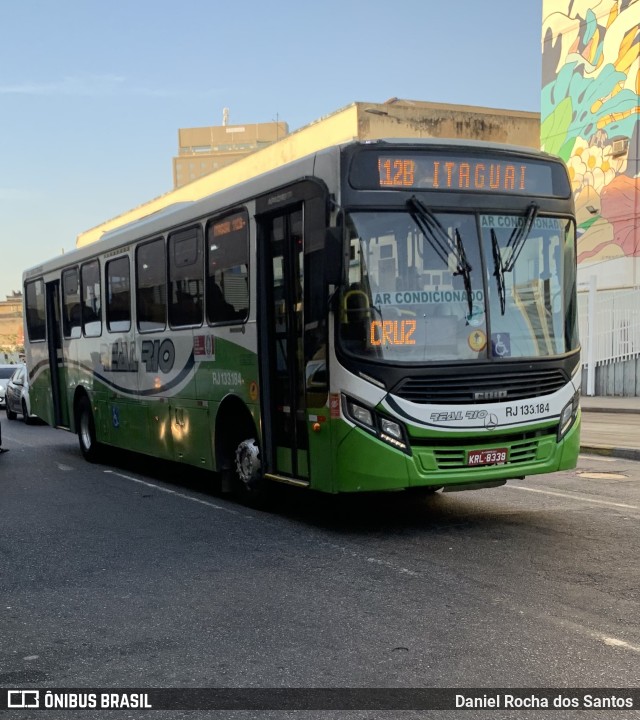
92, 93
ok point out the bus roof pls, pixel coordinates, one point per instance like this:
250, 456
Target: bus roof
178, 213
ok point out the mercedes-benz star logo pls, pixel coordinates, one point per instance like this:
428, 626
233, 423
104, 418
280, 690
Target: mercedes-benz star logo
491, 422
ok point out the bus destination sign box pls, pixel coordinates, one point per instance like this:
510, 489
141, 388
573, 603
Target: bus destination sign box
457, 172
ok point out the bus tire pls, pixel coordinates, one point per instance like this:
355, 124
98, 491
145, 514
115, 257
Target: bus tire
89, 446
250, 484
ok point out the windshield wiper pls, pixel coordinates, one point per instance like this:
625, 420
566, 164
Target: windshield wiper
519, 237
464, 269
441, 243
431, 228
498, 269
514, 246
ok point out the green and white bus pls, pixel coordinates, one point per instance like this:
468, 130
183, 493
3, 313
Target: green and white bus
377, 316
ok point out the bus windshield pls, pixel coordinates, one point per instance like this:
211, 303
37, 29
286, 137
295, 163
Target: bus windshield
449, 286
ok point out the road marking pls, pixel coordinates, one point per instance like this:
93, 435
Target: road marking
606, 639
11, 439
620, 643
580, 629
377, 561
179, 494
580, 498
360, 556
577, 628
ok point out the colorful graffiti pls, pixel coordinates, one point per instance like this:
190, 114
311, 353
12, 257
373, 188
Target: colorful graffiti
590, 116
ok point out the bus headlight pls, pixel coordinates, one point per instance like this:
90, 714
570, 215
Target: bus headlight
389, 431
568, 415
391, 428
360, 414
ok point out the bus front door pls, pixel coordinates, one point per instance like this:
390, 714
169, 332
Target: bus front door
286, 441
56, 365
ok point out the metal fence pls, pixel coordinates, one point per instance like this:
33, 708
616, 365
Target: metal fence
610, 337
614, 316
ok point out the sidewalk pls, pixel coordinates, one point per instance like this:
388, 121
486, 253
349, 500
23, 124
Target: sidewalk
611, 426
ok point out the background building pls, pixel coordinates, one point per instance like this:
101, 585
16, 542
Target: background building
212, 158
590, 112
362, 121
590, 117
203, 150
11, 331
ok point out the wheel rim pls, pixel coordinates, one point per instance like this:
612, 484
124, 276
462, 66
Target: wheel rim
248, 464
85, 431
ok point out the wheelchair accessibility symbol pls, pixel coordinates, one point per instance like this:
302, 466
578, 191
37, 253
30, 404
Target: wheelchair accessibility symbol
501, 345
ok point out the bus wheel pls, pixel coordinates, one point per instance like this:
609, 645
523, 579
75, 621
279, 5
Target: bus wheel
89, 447
251, 485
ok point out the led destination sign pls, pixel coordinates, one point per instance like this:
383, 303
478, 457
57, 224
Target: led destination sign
450, 175
458, 172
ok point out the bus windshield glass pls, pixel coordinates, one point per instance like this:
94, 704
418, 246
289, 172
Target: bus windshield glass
433, 287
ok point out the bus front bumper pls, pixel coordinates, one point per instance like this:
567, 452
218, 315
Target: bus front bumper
364, 463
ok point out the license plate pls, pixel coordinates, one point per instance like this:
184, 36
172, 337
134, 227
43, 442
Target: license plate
496, 456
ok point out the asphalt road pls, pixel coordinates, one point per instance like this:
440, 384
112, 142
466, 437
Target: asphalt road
139, 574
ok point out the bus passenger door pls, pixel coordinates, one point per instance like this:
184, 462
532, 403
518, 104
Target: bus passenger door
286, 440
56, 360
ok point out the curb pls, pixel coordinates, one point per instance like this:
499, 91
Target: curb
623, 453
610, 410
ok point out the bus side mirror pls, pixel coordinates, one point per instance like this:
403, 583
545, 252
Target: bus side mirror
333, 256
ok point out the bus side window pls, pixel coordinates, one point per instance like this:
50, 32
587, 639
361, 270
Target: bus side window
35, 310
118, 305
91, 299
218, 309
228, 269
71, 321
151, 286
186, 278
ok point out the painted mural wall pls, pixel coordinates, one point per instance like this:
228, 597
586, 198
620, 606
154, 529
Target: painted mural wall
590, 113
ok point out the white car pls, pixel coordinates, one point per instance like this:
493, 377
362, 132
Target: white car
17, 395
6, 371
